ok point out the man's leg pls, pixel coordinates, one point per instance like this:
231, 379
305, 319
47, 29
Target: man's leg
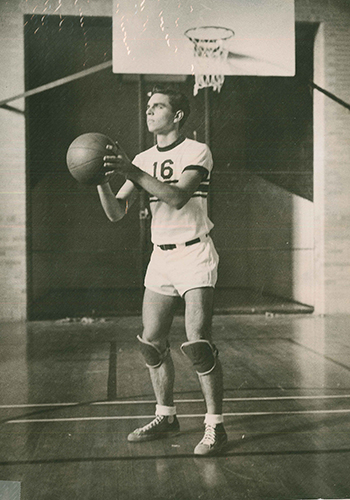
198, 321
158, 313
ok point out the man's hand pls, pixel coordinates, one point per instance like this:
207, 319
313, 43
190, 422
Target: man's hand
117, 162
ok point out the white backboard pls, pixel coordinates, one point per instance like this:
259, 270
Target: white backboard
149, 35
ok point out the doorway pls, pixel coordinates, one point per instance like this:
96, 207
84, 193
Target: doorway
79, 263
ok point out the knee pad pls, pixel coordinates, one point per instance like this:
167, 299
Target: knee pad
203, 355
152, 355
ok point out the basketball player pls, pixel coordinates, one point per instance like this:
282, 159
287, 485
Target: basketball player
175, 172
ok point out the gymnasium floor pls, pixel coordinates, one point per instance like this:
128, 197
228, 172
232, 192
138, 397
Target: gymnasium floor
71, 391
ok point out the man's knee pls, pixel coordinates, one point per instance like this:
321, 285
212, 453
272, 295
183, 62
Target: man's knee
203, 355
153, 355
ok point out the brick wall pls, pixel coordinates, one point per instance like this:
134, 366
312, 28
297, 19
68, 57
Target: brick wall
332, 153
332, 149
12, 170
12, 143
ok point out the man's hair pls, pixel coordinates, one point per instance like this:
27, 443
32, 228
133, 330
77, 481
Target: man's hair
178, 100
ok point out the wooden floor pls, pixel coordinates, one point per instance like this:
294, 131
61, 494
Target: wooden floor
71, 391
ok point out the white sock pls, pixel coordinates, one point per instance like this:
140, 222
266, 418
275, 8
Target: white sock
212, 419
167, 411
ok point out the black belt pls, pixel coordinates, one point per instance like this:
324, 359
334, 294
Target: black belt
171, 246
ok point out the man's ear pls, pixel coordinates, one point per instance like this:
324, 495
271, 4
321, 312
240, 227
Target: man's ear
178, 116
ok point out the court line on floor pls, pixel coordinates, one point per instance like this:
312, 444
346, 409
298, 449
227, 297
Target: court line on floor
177, 456
148, 401
137, 417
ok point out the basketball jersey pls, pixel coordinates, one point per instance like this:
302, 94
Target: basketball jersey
167, 164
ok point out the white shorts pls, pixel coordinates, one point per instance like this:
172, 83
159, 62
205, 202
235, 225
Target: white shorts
174, 272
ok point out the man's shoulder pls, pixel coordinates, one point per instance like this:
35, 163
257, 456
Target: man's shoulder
195, 146
192, 142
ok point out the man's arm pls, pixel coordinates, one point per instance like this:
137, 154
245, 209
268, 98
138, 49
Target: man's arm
175, 196
116, 206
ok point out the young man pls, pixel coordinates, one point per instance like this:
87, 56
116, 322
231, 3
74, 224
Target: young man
175, 172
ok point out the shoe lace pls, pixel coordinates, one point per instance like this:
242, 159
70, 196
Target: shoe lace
209, 435
152, 424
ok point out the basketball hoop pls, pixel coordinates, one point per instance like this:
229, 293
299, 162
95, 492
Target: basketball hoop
210, 55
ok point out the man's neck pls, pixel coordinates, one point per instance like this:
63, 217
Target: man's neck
165, 140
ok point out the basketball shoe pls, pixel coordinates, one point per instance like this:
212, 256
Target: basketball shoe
213, 442
159, 427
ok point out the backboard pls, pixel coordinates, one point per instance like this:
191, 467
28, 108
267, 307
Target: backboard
149, 35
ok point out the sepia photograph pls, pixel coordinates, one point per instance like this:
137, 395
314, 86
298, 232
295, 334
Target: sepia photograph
175, 250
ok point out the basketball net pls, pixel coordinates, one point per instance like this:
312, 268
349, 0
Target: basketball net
210, 56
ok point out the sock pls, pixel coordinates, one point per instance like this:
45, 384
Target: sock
167, 411
213, 420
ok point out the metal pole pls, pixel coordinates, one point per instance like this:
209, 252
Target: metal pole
143, 196
207, 136
207, 116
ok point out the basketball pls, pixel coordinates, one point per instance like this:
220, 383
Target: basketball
85, 158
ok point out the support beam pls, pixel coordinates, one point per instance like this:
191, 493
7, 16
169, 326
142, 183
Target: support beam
57, 83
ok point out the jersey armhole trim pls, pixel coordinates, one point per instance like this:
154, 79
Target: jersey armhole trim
199, 168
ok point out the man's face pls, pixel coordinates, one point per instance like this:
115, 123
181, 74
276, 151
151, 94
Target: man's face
160, 116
